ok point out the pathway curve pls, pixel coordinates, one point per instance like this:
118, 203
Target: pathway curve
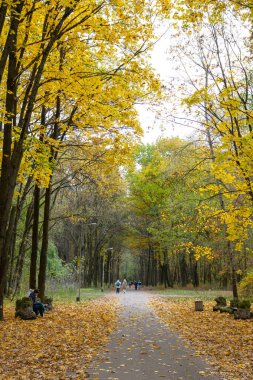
142, 347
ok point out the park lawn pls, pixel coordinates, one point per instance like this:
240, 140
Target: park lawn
58, 346
70, 294
228, 343
198, 293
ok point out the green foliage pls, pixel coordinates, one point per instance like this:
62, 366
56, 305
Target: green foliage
221, 301
246, 286
128, 265
234, 303
164, 197
68, 294
183, 294
55, 267
244, 304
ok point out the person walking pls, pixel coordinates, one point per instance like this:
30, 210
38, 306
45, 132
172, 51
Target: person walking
124, 285
117, 285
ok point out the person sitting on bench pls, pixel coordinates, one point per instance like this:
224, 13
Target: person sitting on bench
38, 306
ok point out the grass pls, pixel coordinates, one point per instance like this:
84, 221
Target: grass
194, 293
70, 294
60, 296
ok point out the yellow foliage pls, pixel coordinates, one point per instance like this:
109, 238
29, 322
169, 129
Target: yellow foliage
197, 250
96, 71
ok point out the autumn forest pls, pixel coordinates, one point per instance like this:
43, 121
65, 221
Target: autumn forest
82, 198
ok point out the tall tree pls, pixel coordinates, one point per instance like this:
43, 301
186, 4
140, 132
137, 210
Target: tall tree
101, 63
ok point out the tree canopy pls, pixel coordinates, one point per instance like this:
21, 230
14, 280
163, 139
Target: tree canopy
76, 180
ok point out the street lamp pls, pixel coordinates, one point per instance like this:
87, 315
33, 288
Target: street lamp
102, 272
78, 298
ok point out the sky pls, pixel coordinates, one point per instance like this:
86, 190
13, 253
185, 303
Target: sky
154, 127
184, 73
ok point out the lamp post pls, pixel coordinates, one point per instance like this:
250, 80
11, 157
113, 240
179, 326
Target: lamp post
102, 272
80, 245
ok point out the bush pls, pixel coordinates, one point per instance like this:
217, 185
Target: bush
221, 301
244, 304
246, 286
234, 303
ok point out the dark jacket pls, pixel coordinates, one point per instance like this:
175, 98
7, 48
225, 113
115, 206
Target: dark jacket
33, 297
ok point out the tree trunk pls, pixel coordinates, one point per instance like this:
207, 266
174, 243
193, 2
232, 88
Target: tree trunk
17, 209
3, 10
35, 237
44, 245
194, 270
22, 250
148, 267
90, 259
233, 270
168, 277
9, 169
36, 215
183, 269
95, 262
14, 217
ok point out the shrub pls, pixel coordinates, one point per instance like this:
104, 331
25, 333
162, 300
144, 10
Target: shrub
244, 304
221, 301
246, 286
234, 303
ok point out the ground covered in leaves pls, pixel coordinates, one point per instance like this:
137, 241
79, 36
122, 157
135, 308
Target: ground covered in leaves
58, 346
227, 342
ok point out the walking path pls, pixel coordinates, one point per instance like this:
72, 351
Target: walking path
143, 348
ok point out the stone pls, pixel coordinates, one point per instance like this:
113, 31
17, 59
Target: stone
199, 305
26, 313
242, 314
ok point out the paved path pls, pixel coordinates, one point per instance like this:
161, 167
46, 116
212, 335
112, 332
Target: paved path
143, 348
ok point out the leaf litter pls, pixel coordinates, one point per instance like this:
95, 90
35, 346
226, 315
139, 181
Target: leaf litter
58, 346
228, 343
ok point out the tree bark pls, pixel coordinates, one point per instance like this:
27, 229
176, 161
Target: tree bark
3, 10
183, 269
22, 251
9, 170
233, 270
148, 267
44, 245
35, 237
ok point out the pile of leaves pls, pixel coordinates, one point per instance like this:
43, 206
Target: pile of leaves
58, 346
227, 343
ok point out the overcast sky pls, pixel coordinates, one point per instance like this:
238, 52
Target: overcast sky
152, 125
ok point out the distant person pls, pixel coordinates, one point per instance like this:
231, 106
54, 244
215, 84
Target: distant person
117, 285
135, 285
124, 285
139, 284
38, 306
